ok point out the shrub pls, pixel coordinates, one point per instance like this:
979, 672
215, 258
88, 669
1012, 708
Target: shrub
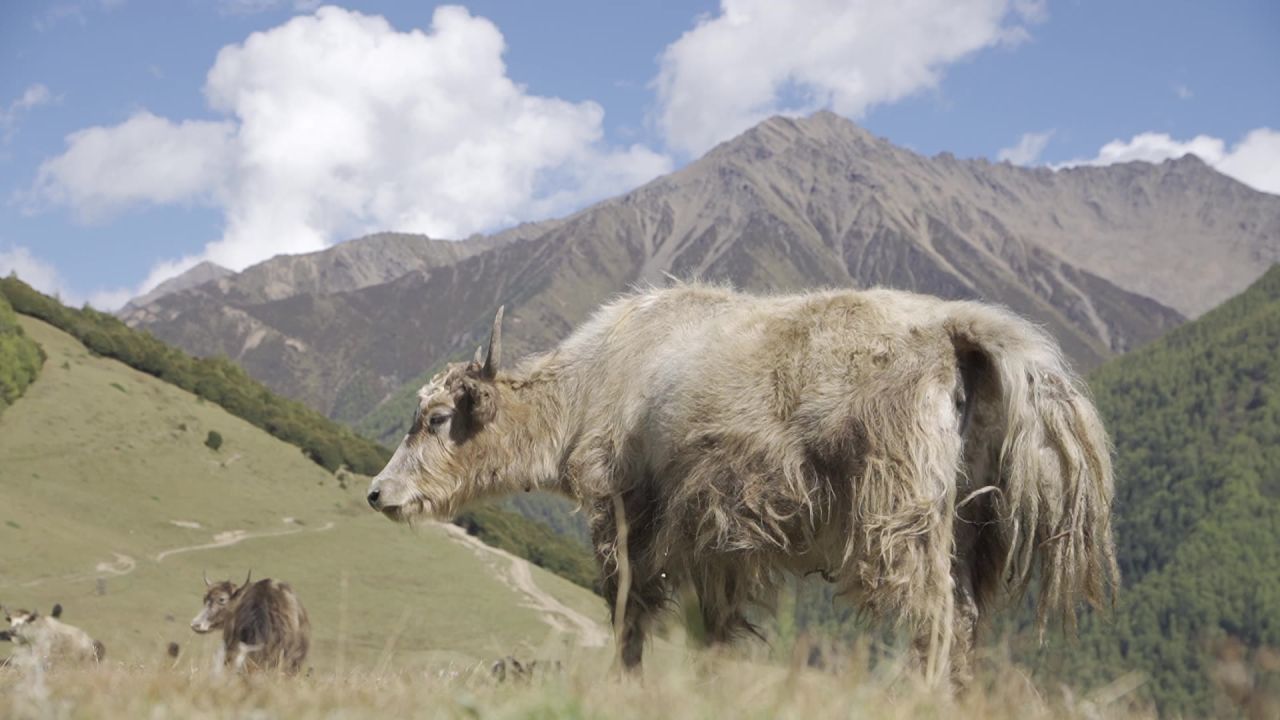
20, 357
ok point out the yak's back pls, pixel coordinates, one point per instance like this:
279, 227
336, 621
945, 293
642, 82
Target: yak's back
693, 335
268, 614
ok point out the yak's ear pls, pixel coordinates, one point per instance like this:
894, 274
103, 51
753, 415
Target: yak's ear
478, 401
494, 356
57, 610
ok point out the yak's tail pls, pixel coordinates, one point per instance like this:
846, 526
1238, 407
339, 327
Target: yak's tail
99, 650
1039, 467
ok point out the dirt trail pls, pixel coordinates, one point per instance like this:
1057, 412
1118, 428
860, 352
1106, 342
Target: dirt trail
120, 565
123, 564
519, 577
231, 537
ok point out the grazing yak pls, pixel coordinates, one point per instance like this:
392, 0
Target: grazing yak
264, 626
929, 457
47, 640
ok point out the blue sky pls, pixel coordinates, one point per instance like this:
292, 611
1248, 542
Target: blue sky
140, 137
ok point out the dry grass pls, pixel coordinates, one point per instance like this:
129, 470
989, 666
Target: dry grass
702, 686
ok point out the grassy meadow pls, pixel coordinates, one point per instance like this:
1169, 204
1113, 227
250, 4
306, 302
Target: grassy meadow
112, 505
683, 686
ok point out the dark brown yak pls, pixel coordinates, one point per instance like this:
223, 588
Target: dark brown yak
264, 626
926, 456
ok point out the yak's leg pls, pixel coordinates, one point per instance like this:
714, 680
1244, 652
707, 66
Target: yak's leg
220, 659
642, 604
965, 638
646, 594
721, 596
644, 598
723, 625
904, 515
241, 657
964, 623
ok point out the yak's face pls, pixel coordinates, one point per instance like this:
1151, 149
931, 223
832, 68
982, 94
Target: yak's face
426, 475
21, 623
218, 603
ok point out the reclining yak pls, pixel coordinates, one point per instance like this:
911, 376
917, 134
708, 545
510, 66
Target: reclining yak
264, 626
46, 640
925, 455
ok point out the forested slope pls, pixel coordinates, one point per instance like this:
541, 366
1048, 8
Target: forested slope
1195, 418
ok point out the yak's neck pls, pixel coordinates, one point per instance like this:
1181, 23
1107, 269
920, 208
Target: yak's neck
523, 448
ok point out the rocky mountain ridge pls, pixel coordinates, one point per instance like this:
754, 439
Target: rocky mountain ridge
1106, 258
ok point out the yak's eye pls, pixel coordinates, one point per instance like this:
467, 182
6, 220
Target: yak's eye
435, 420
222, 601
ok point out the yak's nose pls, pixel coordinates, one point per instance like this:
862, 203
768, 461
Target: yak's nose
373, 499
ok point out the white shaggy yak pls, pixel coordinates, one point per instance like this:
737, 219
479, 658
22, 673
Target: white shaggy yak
45, 640
929, 457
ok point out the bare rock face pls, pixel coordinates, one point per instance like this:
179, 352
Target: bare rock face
195, 277
1105, 258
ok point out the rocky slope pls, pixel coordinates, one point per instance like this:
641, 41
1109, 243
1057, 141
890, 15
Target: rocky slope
1106, 258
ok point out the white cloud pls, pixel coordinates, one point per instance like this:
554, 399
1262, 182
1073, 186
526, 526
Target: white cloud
145, 159
34, 96
1183, 92
30, 269
338, 124
758, 58
1254, 160
1028, 149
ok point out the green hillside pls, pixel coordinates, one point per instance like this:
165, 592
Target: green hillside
112, 504
223, 382
1195, 418
20, 357
215, 379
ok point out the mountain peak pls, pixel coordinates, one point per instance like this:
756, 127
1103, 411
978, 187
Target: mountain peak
823, 126
775, 134
201, 273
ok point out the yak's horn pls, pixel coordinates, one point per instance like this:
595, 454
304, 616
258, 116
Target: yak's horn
246, 579
494, 358
205, 574
479, 358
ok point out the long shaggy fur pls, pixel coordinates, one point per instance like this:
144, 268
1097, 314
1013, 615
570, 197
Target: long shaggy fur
928, 456
45, 640
264, 625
